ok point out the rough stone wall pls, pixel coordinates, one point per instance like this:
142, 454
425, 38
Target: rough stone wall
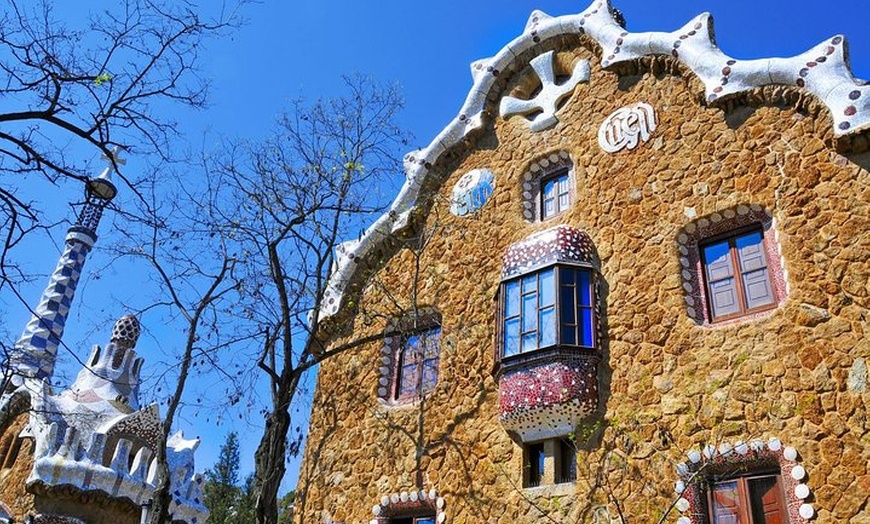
13, 493
668, 384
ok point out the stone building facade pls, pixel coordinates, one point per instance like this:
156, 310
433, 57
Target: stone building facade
86, 454
629, 280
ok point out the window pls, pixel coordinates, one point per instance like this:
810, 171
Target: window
417, 359
429, 519
555, 194
566, 461
550, 307
533, 465
756, 499
552, 461
548, 186
736, 274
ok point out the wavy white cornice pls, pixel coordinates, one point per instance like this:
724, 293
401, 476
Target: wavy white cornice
822, 71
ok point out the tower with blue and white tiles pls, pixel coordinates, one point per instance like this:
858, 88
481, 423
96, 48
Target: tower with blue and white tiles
35, 353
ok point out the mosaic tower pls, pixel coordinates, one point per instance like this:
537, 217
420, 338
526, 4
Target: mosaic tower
35, 353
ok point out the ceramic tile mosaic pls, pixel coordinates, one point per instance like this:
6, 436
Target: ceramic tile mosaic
823, 71
745, 457
472, 192
413, 502
558, 244
544, 105
715, 224
548, 400
531, 201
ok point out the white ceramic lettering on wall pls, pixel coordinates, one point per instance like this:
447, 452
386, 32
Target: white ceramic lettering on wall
627, 127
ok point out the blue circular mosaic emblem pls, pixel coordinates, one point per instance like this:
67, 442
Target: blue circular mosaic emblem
471, 192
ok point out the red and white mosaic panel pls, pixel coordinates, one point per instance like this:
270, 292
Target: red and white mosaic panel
548, 400
744, 457
558, 244
716, 224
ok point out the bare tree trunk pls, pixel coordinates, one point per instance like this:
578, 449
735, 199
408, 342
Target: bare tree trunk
269, 461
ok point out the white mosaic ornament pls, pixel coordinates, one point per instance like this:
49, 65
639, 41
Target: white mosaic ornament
798, 472
682, 505
806, 511
801, 491
627, 127
789, 453
545, 104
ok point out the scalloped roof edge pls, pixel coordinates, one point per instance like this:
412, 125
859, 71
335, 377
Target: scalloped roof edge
823, 71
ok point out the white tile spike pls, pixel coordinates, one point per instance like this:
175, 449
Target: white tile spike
822, 71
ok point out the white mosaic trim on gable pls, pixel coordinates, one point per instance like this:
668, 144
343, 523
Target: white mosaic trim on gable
409, 500
546, 103
627, 127
532, 181
822, 71
793, 475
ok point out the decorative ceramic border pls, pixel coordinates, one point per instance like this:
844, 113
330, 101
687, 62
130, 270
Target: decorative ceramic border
399, 504
692, 495
542, 167
729, 219
822, 71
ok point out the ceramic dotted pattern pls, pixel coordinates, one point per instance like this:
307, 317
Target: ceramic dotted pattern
409, 503
744, 456
56, 519
822, 71
712, 225
531, 200
125, 332
549, 399
558, 244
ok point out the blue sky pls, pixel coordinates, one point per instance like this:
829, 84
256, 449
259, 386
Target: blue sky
289, 49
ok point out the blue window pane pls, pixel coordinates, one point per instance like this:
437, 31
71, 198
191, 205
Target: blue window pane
549, 190
569, 335
530, 309
567, 305
547, 288
566, 275
586, 327
512, 299
511, 337
585, 288
530, 342
425, 521
530, 283
548, 327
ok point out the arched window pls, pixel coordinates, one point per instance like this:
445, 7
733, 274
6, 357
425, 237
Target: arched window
548, 187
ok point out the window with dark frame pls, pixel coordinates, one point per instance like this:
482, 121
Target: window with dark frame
736, 274
555, 193
417, 362
566, 461
427, 519
548, 308
533, 465
755, 499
